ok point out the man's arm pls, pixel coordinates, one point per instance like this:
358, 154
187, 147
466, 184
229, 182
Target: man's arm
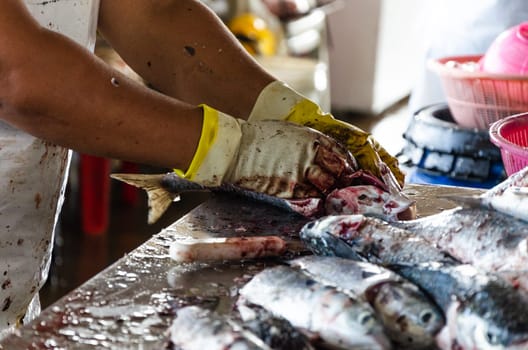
183, 50
56, 90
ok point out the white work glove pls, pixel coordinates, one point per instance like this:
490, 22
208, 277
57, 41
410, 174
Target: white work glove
273, 157
278, 101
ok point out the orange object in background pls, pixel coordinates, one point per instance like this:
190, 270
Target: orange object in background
254, 34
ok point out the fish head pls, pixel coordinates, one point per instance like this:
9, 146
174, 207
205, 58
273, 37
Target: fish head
336, 235
411, 318
474, 331
367, 199
361, 329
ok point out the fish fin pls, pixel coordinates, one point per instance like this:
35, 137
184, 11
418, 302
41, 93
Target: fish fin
159, 199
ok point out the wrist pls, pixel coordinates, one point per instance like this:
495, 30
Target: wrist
217, 148
275, 102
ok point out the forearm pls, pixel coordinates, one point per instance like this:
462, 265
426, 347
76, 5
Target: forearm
183, 50
56, 90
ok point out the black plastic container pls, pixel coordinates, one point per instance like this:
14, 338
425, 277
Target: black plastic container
438, 151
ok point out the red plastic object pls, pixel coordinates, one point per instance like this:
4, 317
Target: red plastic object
477, 99
94, 193
130, 194
511, 136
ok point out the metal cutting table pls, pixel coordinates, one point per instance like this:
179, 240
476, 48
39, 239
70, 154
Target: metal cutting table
130, 304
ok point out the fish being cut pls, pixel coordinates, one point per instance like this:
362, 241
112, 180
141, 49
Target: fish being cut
363, 238
488, 239
338, 319
375, 197
482, 310
411, 319
509, 197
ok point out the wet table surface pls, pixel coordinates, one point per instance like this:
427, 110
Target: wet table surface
130, 305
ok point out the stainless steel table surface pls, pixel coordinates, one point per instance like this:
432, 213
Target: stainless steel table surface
130, 304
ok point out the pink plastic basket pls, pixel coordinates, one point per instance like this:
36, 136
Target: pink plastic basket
511, 136
477, 99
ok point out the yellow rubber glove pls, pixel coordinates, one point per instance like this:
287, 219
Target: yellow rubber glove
280, 102
277, 158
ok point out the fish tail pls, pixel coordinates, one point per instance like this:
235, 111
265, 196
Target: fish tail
159, 199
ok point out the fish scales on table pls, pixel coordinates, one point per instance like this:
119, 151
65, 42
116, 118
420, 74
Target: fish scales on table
411, 319
482, 310
365, 194
363, 238
337, 319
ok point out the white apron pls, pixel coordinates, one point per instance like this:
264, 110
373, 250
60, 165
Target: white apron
33, 176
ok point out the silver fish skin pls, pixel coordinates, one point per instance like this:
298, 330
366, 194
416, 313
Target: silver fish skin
410, 318
482, 310
195, 328
363, 238
490, 240
338, 320
509, 197
163, 189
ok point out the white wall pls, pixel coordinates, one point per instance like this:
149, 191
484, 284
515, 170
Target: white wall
374, 49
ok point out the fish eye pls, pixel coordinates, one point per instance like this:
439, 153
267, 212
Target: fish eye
362, 197
426, 316
492, 338
310, 225
366, 318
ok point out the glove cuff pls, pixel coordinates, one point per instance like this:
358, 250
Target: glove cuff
275, 102
218, 147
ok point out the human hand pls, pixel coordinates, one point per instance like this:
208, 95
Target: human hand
277, 158
280, 102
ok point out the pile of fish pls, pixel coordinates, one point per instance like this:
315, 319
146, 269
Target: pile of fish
316, 302
471, 261
454, 280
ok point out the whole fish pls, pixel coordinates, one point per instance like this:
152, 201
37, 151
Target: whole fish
369, 239
375, 197
482, 310
410, 318
198, 328
338, 320
509, 197
488, 239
